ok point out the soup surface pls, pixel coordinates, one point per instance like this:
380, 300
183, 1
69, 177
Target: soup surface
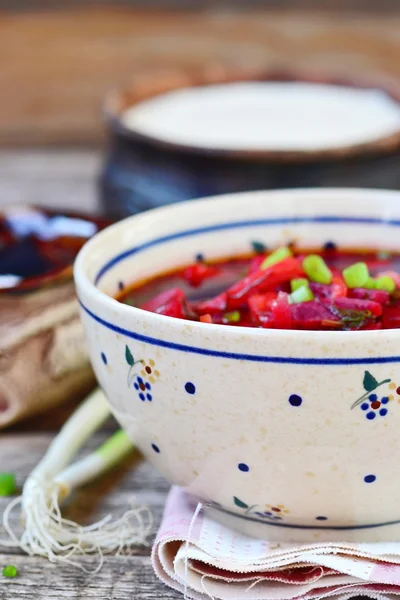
288, 288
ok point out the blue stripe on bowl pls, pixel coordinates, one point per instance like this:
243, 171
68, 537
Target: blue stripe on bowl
295, 526
238, 225
238, 356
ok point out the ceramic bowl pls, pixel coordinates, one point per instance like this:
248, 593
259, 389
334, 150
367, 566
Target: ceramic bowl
143, 172
256, 423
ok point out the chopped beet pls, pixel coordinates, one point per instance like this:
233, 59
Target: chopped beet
391, 317
379, 296
355, 304
313, 315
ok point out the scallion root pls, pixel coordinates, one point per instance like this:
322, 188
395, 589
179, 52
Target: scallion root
46, 533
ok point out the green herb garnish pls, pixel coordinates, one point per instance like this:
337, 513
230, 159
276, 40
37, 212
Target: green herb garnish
356, 275
7, 484
276, 257
232, 317
316, 269
10, 571
353, 319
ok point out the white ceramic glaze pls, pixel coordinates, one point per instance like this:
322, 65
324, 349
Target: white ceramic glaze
267, 116
258, 423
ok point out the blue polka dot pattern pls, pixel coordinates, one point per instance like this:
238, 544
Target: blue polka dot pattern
243, 467
370, 478
364, 406
104, 358
142, 397
190, 387
295, 400
155, 448
370, 415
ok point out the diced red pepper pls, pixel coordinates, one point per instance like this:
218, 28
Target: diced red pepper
169, 303
157, 303
196, 274
214, 305
339, 287
263, 281
256, 263
206, 318
280, 312
261, 303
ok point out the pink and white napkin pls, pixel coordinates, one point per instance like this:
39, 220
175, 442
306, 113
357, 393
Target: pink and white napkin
203, 559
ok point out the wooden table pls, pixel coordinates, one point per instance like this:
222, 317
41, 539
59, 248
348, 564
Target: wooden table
120, 578
67, 178
58, 64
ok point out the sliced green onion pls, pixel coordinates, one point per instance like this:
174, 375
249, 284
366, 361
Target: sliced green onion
356, 275
7, 484
302, 294
10, 571
295, 284
370, 284
232, 317
316, 269
276, 257
385, 283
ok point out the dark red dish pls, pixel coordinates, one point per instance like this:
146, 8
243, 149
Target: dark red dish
38, 247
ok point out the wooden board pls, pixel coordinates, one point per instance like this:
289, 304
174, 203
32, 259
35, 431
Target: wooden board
120, 578
57, 65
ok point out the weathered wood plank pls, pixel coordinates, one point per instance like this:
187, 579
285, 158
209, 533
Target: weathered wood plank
94, 49
113, 493
125, 578
61, 178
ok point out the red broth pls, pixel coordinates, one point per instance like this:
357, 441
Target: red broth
325, 289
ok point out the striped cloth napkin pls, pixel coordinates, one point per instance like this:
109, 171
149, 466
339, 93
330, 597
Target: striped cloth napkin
203, 559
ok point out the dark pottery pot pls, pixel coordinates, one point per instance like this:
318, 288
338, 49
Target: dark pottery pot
143, 172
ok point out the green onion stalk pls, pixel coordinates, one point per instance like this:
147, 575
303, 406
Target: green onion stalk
46, 533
